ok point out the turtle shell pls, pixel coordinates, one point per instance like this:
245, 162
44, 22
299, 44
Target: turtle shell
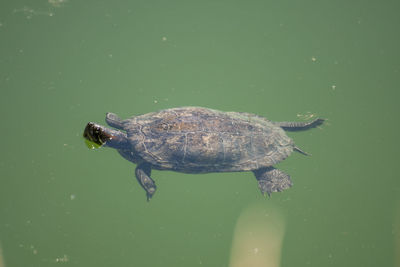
199, 140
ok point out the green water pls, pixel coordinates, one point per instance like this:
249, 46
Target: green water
63, 64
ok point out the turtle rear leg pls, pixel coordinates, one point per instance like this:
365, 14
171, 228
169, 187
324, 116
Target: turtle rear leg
299, 126
142, 173
114, 121
272, 180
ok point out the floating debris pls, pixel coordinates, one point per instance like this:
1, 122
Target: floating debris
46, 11
30, 12
57, 3
34, 250
306, 116
64, 258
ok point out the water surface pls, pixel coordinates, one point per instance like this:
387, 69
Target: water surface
64, 63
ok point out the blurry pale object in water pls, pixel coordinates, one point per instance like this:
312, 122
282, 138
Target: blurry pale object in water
257, 239
396, 234
1, 257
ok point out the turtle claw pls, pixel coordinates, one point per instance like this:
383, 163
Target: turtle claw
150, 192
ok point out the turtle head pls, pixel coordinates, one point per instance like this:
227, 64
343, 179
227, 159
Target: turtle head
95, 135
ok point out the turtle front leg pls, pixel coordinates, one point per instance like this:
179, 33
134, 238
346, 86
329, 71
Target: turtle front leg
272, 180
142, 173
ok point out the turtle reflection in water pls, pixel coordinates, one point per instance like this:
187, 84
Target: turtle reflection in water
201, 140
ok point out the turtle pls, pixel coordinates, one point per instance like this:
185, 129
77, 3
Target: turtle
201, 140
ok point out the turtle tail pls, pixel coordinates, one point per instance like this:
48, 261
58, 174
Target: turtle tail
301, 151
114, 121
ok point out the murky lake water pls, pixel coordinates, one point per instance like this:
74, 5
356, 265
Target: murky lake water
64, 63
